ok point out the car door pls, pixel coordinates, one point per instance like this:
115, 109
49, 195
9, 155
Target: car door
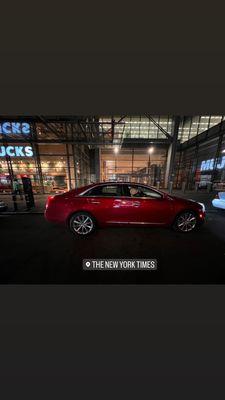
101, 202
125, 208
148, 206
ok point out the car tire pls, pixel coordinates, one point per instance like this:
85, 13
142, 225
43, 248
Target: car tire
186, 222
82, 224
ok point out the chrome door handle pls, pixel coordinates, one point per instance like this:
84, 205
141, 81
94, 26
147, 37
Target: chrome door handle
136, 203
95, 202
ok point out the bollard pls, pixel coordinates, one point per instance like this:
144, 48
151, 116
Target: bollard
27, 201
209, 187
158, 184
196, 186
170, 187
183, 186
15, 202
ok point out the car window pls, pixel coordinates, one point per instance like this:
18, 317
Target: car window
141, 191
104, 190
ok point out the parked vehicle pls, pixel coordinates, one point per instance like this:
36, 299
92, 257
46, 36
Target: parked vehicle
57, 189
219, 201
204, 184
3, 206
102, 204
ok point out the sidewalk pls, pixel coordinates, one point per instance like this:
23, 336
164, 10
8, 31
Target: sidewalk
40, 201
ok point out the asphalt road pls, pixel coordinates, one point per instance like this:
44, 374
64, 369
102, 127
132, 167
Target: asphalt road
34, 251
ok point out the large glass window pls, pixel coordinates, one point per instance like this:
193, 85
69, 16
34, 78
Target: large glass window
54, 173
202, 164
138, 127
52, 168
134, 165
21, 163
5, 182
64, 166
193, 126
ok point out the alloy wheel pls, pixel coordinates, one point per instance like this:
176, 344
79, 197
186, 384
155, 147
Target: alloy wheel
186, 222
82, 224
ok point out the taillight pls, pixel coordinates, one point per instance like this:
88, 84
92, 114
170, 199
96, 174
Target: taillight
49, 199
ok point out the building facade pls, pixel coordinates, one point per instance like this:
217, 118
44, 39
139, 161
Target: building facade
62, 153
52, 161
201, 160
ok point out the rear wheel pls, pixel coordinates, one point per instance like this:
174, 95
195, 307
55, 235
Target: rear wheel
82, 224
185, 222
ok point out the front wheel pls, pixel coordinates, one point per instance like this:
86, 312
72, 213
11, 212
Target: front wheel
82, 224
185, 222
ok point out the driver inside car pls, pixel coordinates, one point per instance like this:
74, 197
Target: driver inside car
134, 192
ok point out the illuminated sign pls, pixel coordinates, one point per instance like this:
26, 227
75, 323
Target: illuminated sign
209, 164
8, 128
16, 151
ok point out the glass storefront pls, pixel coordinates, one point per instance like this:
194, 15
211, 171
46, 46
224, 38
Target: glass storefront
52, 168
202, 164
137, 164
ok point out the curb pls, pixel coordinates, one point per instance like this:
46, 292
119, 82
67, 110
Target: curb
22, 213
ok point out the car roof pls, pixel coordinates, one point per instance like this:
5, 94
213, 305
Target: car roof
87, 187
119, 183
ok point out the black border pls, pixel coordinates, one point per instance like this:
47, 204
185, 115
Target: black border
112, 341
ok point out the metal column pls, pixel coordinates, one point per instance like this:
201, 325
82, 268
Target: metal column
75, 165
169, 174
37, 159
97, 165
195, 161
68, 166
68, 159
178, 170
11, 175
217, 155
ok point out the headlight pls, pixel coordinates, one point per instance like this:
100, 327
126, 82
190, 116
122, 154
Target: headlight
203, 206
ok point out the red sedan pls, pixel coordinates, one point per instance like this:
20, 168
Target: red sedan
102, 204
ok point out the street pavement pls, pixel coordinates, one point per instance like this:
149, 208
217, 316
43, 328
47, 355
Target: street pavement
34, 251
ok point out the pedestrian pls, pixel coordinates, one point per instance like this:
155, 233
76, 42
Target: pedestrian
17, 188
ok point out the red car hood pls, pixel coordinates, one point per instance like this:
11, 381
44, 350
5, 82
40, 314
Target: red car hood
182, 200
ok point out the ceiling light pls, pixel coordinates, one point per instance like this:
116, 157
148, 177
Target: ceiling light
150, 150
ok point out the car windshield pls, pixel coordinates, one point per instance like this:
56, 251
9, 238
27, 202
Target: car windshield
222, 195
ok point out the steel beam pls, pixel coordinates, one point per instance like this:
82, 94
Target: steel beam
50, 128
159, 127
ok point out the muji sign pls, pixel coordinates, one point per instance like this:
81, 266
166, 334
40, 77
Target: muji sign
208, 165
16, 151
8, 128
